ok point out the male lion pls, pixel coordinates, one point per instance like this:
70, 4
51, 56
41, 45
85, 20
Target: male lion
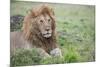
38, 31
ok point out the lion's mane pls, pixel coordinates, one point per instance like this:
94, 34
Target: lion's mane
31, 31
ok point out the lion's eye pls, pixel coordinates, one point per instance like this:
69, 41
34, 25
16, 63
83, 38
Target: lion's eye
41, 20
48, 20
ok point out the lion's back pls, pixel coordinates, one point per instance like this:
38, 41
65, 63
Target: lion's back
17, 41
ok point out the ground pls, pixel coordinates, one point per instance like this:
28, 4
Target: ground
75, 25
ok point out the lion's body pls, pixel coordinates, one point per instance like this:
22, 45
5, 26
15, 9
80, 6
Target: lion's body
18, 42
38, 31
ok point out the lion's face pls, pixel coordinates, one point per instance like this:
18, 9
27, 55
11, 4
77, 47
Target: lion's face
44, 24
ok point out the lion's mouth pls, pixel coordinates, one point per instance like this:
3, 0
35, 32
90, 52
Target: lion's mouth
47, 35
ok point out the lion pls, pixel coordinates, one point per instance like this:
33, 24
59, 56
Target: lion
38, 31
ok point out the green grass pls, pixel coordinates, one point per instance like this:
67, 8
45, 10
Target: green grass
75, 25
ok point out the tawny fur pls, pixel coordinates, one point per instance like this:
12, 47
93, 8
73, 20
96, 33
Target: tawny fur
29, 37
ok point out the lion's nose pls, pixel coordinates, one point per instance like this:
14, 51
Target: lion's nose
47, 29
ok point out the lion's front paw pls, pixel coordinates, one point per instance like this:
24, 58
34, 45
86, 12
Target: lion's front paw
56, 52
42, 53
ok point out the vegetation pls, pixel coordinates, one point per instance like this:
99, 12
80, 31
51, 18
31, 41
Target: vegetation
75, 25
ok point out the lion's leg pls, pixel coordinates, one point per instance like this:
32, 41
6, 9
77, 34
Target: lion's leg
43, 53
56, 52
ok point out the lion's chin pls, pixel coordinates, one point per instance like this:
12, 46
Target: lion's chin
47, 35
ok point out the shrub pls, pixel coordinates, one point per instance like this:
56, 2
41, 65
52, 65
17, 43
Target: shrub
25, 57
71, 56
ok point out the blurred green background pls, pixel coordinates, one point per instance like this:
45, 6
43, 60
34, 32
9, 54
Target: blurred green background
75, 25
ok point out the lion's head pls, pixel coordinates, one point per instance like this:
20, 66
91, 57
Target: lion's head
41, 21
39, 27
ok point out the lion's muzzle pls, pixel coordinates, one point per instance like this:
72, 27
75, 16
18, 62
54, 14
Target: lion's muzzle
47, 33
